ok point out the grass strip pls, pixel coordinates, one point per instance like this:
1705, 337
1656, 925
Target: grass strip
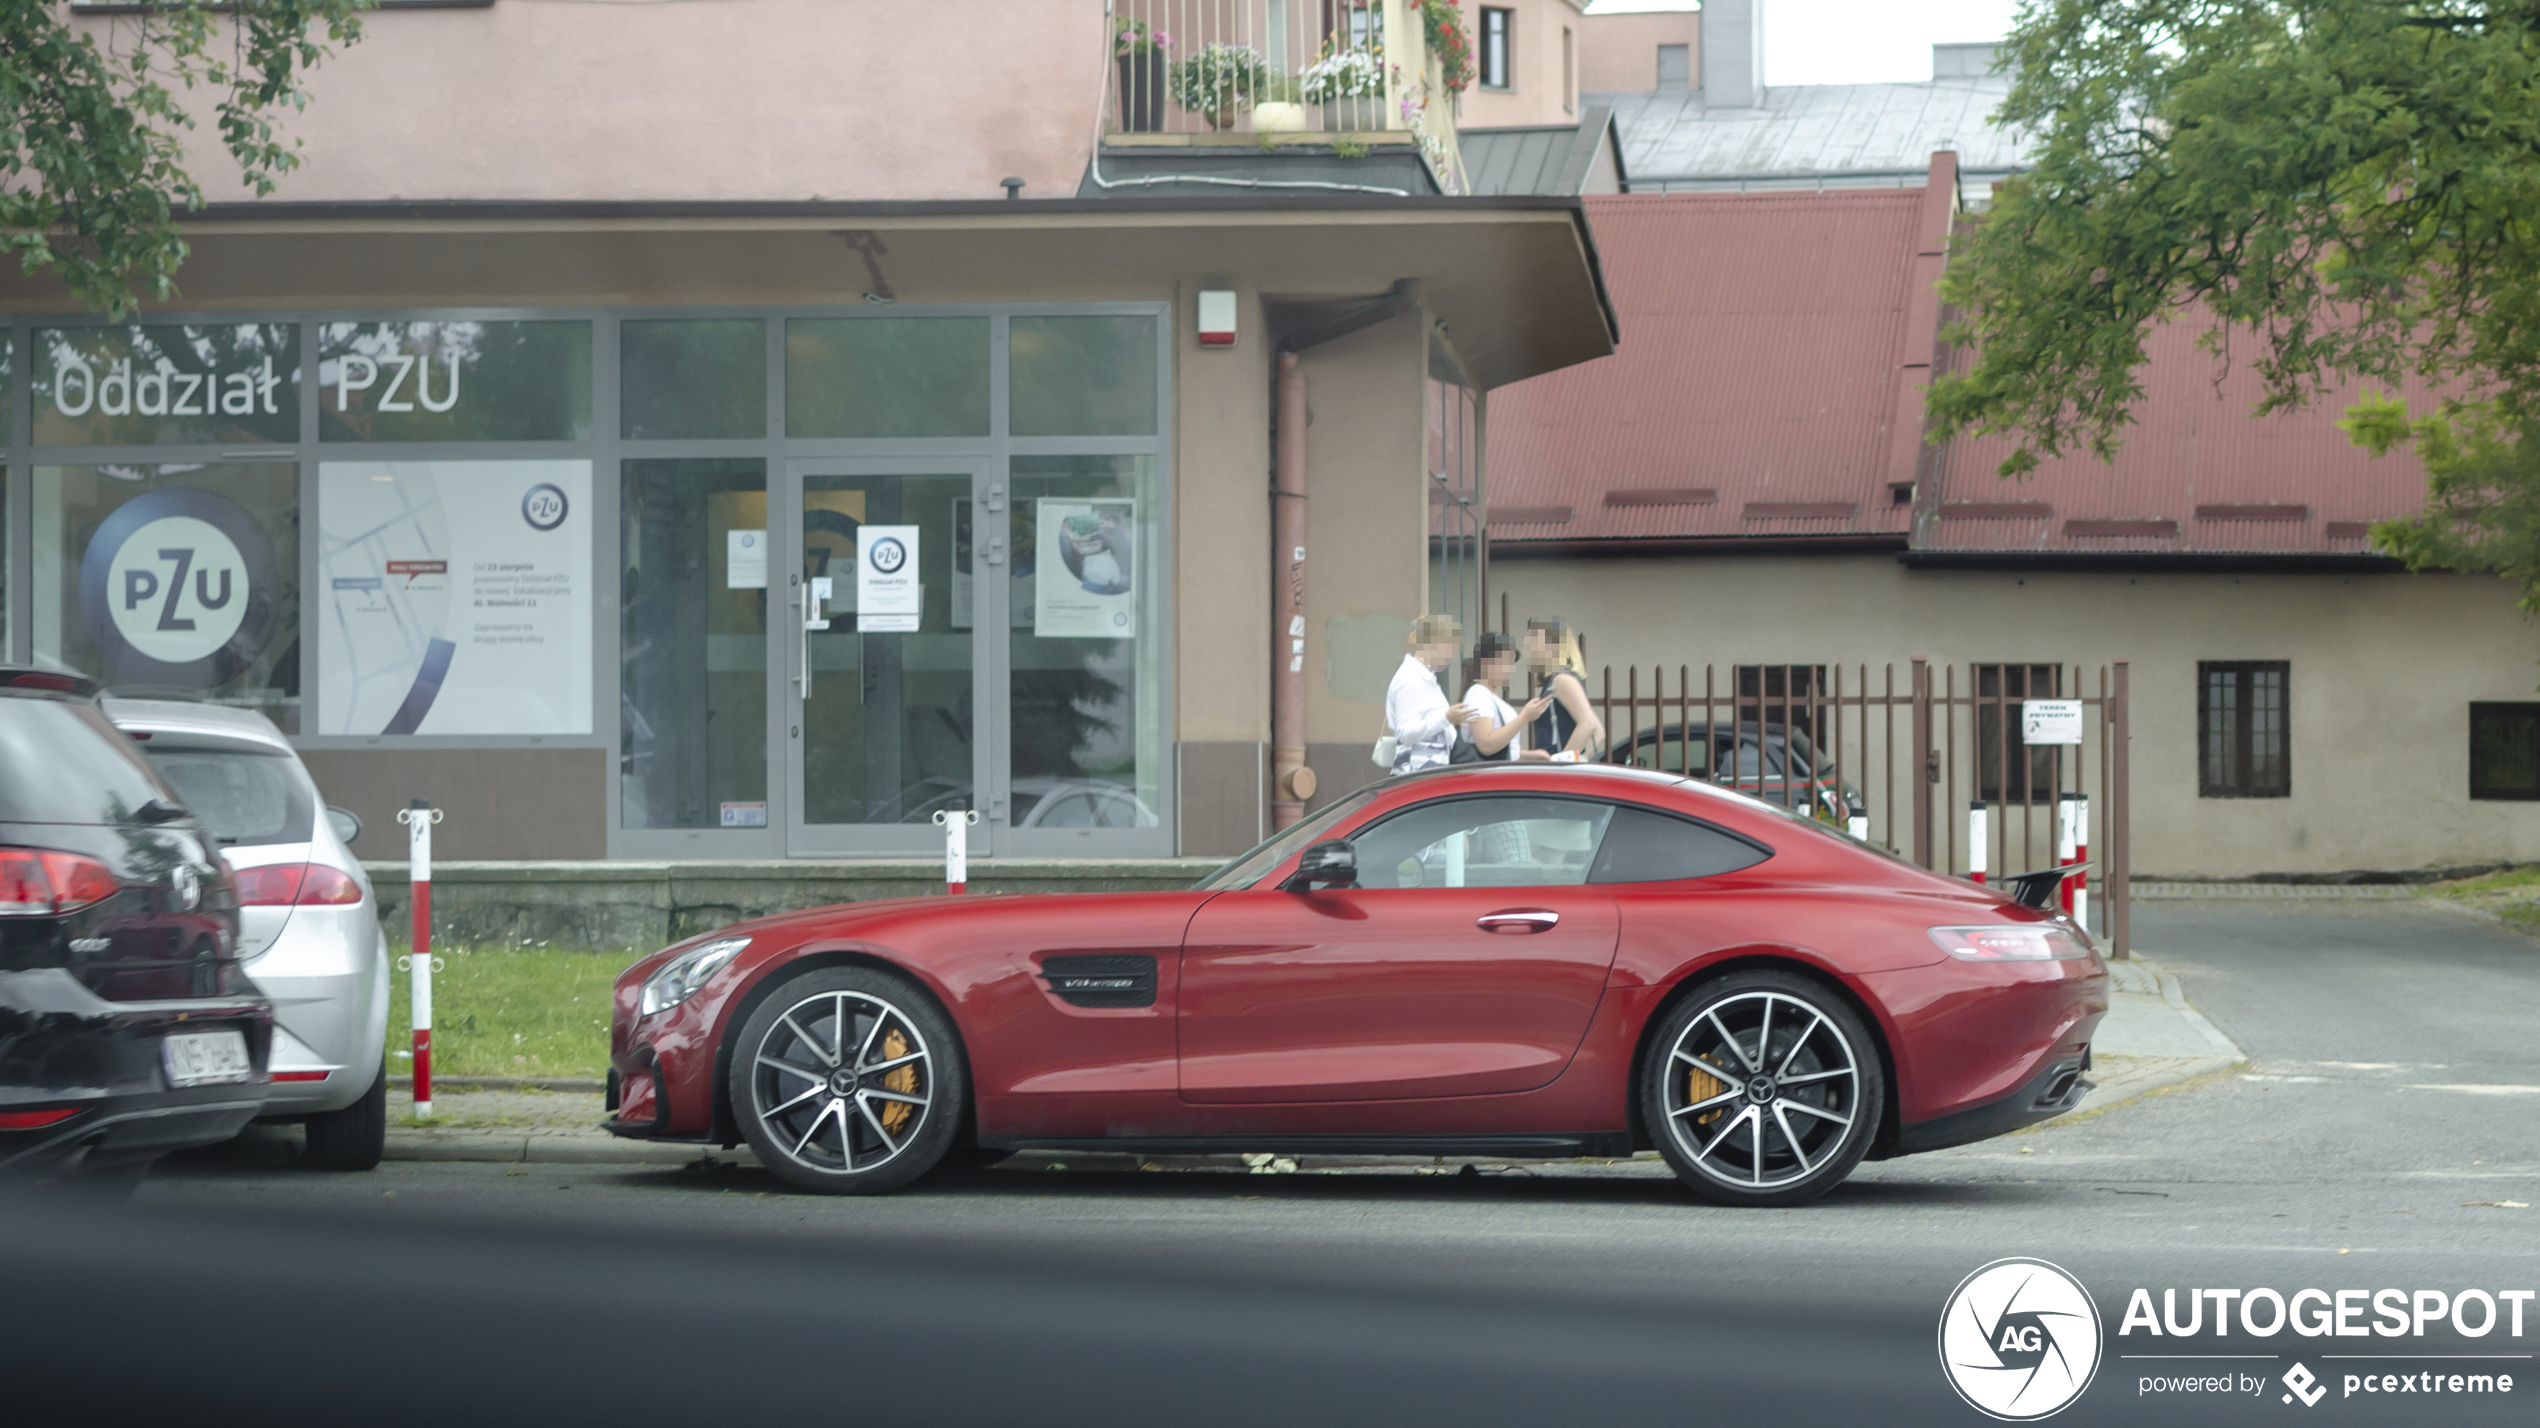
502, 1012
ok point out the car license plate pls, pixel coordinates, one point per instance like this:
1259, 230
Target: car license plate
206, 1058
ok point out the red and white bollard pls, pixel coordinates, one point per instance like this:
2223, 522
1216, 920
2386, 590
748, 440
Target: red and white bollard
1976, 840
956, 826
419, 818
2075, 847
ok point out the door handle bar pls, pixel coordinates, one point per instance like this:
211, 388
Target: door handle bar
1521, 920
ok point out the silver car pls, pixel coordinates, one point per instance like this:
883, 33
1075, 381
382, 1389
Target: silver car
308, 925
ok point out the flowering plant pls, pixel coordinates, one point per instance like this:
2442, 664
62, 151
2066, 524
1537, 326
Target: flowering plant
1218, 79
1349, 74
1133, 37
1448, 45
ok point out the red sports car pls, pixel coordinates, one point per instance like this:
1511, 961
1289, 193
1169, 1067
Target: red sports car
1502, 960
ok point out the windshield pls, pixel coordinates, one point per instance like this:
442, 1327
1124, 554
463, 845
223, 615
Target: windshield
61, 762
244, 798
1248, 869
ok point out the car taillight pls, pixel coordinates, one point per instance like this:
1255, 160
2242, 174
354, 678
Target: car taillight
295, 884
2010, 942
39, 882
35, 1120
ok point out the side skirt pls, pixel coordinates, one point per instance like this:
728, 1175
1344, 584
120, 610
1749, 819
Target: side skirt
1612, 1145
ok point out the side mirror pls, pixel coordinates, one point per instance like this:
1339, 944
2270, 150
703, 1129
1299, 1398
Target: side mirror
346, 823
1330, 863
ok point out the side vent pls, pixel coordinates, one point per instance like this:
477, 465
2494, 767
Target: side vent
1106, 980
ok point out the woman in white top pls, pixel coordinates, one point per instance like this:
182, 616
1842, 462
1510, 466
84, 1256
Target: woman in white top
1498, 730
1423, 723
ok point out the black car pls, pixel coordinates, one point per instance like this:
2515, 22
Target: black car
127, 1028
1775, 763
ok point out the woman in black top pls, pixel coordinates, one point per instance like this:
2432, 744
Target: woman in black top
1569, 725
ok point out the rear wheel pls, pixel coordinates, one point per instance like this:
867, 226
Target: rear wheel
848, 1080
356, 1137
1762, 1088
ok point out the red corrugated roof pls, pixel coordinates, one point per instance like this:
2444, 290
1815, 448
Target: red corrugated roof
1754, 385
1754, 389
2198, 474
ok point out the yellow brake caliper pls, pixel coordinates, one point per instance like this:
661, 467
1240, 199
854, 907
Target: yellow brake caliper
1700, 1086
895, 1114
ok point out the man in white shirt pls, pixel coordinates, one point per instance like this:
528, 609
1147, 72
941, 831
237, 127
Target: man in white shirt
1423, 723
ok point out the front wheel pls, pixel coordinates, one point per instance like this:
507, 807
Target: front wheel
1762, 1088
848, 1080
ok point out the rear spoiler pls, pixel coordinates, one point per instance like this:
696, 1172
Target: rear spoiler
2037, 889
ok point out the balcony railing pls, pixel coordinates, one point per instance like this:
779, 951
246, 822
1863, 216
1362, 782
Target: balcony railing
1353, 76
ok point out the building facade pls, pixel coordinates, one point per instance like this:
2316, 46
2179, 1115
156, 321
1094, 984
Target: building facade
743, 432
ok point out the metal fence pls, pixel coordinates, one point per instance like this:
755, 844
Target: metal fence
1929, 762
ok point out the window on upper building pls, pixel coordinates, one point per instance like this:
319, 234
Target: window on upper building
1499, 39
2241, 723
2504, 751
1569, 70
1675, 66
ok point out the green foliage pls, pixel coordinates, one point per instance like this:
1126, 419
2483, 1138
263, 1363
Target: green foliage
2336, 188
92, 172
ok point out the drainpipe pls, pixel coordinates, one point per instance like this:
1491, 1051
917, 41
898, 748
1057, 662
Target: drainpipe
1291, 782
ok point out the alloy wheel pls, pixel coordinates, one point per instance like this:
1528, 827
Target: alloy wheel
1760, 1090
842, 1082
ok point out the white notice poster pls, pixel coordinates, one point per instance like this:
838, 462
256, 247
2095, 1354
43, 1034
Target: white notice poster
455, 597
1086, 579
889, 597
745, 560
2050, 721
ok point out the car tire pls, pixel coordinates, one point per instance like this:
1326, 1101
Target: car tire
354, 1138
854, 1114
1779, 1123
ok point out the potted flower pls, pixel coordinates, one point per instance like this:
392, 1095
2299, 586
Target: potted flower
1350, 85
1140, 53
1218, 80
1276, 110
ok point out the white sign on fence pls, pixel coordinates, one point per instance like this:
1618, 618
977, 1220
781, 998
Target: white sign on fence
2050, 721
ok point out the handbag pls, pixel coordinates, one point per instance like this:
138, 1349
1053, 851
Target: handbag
1382, 755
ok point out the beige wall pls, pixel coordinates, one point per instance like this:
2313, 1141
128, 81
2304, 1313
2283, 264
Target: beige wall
741, 99
1619, 53
2383, 669
1534, 93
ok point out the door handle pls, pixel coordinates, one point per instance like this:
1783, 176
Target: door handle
996, 550
1530, 919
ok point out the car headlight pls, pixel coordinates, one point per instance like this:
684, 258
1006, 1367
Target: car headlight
2010, 942
680, 977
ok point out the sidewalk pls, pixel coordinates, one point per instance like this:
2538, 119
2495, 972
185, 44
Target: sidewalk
2152, 1039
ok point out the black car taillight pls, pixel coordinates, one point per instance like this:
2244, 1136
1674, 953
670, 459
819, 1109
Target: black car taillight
42, 882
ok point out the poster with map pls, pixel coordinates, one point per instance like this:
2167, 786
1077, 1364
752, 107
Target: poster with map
453, 597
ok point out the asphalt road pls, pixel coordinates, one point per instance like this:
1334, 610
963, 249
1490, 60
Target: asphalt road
2394, 1082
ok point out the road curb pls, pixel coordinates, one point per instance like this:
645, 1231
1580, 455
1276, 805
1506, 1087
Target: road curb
481, 1148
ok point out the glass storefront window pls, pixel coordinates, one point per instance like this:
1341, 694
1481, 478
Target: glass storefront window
886, 376
692, 380
454, 381
692, 651
1083, 376
182, 578
1086, 682
164, 386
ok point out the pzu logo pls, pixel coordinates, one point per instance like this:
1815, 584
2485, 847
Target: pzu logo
169, 586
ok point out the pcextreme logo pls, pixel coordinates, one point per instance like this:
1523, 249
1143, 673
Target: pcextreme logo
2019, 1339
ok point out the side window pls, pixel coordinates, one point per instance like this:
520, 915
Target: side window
1508, 841
1642, 846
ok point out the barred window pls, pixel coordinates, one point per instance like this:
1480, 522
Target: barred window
2504, 751
2241, 729
2007, 769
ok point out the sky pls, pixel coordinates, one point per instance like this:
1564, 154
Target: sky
1856, 41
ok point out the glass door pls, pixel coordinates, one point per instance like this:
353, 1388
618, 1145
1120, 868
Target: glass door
889, 634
